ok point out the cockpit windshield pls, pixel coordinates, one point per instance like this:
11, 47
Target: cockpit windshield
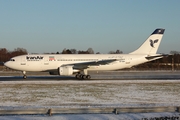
12, 59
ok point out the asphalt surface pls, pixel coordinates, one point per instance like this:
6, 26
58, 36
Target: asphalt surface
107, 75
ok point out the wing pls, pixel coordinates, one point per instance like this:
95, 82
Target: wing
155, 41
85, 65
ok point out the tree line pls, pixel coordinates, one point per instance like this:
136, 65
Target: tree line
169, 62
5, 54
88, 51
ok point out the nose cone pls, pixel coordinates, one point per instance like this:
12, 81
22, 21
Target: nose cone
13, 65
7, 64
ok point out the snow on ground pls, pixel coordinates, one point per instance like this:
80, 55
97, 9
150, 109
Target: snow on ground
100, 93
89, 93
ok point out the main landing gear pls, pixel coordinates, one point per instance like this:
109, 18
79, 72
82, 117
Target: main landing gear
84, 76
81, 76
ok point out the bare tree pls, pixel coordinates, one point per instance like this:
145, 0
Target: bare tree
66, 51
4, 55
118, 52
90, 51
19, 51
73, 51
83, 52
174, 52
112, 52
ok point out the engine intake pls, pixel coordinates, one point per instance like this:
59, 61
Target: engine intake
66, 70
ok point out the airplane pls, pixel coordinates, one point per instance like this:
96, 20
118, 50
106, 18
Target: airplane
81, 64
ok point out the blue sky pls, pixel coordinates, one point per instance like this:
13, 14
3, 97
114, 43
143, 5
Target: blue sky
105, 25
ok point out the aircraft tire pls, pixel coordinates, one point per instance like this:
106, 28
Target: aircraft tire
88, 77
77, 76
24, 76
83, 76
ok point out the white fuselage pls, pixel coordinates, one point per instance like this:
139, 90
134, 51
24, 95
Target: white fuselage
68, 64
51, 62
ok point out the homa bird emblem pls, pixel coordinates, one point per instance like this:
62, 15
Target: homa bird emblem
152, 42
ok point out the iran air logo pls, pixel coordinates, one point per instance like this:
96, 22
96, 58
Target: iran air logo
152, 42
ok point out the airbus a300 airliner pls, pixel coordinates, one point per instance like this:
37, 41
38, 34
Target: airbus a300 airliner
81, 64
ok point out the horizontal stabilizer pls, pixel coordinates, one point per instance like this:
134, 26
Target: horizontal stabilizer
157, 56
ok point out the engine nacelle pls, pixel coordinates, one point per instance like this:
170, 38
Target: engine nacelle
66, 70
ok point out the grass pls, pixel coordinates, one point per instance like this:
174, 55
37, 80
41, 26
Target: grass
97, 93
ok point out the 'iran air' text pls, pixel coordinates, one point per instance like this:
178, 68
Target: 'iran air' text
34, 58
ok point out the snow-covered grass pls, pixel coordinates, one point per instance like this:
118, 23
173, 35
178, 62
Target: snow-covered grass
90, 93
99, 93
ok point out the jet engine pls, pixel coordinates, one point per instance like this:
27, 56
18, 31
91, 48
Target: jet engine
66, 70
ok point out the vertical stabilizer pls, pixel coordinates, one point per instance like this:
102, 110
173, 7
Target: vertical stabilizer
151, 45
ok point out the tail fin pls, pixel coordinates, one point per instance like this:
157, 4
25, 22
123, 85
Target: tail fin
151, 45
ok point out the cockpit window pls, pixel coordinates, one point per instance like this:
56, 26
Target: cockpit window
12, 59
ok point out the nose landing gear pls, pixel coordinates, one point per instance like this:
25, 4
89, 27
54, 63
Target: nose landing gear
24, 74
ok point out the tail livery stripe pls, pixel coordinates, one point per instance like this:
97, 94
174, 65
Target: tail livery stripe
158, 31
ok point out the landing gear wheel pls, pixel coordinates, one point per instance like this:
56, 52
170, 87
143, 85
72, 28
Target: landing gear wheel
24, 76
78, 76
88, 77
83, 76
